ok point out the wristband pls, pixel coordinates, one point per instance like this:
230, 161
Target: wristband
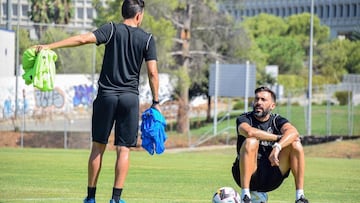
154, 102
277, 145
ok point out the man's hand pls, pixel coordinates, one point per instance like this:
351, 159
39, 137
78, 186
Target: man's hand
157, 107
274, 156
38, 48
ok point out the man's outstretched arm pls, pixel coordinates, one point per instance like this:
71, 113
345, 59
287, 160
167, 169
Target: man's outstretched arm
73, 41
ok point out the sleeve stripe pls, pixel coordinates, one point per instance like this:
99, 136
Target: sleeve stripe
112, 32
148, 42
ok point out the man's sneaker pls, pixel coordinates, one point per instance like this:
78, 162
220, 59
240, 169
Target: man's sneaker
246, 199
120, 201
302, 200
92, 200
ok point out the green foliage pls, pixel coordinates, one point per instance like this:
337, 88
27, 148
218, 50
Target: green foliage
320, 80
299, 29
239, 105
265, 25
343, 97
24, 41
283, 42
163, 32
108, 13
282, 51
291, 82
184, 79
331, 59
47, 11
74, 60
353, 57
355, 35
298, 83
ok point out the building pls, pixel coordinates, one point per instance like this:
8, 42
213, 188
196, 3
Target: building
342, 16
82, 19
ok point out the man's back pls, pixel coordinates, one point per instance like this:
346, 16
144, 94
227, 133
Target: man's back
125, 49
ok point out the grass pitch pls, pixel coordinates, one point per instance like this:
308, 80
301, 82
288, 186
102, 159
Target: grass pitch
57, 175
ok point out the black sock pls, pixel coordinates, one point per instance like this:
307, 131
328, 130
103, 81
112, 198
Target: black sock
116, 194
91, 192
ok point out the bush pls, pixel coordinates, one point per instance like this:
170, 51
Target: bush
239, 105
342, 97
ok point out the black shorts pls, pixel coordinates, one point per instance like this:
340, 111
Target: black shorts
266, 178
123, 109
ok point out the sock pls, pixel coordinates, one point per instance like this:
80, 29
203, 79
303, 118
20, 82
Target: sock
299, 193
245, 191
91, 192
116, 194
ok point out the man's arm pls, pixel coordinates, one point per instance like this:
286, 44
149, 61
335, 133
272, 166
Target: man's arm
73, 41
289, 135
153, 78
247, 131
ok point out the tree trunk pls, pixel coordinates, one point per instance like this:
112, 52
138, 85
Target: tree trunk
183, 112
208, 111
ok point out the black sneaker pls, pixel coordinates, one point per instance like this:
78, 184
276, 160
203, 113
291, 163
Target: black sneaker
302, 200
246, 199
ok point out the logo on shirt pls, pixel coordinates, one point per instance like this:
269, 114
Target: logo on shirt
265, 142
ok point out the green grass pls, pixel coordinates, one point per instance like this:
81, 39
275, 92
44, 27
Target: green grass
57, 175
338, 120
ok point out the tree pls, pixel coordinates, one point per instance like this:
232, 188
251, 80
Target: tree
299, 29
353, 63
284, 52
331, 60
265, 25
273, 46
45, 12
204, 36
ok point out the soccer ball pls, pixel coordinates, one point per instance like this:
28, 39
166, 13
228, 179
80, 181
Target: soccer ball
258, 197
226, 195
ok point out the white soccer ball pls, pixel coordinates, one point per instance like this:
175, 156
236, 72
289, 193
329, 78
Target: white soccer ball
226, 195
258, 197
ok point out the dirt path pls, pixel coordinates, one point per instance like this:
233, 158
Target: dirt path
337, 149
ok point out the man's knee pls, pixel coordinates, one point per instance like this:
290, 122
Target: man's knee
250, 145
297, 146
98, 147
294, 149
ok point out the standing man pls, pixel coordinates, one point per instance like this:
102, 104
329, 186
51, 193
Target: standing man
268, 147
117, 101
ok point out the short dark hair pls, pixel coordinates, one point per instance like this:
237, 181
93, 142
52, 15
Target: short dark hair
266, 89
131, 7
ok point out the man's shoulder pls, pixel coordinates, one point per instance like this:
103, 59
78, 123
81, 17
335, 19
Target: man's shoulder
244, 117
277, 116
137, 30
277, 120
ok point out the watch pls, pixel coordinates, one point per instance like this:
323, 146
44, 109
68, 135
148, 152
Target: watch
154, 102
277, 145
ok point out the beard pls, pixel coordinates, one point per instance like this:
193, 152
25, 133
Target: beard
261, 114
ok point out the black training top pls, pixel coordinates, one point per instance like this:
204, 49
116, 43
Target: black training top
125, 49
273, 125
